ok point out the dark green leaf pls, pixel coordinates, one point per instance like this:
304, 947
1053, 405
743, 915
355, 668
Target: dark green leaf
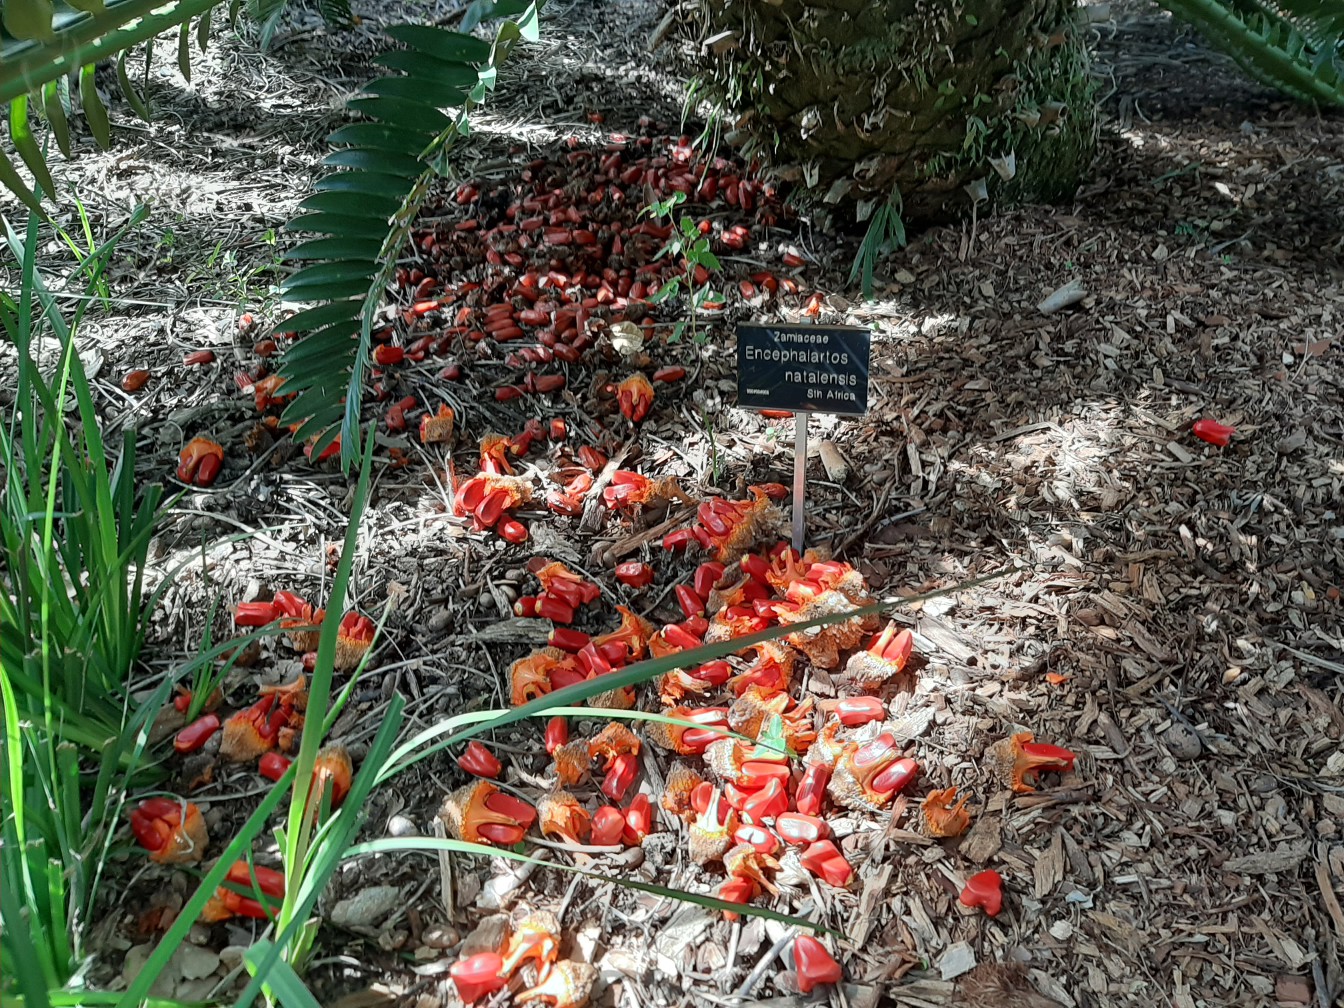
329, 340
336, 13
21, 133
354, 204
421, 93
324, 437
339, 225
327, 271
94, 112
336, 311
449, 46
319, 290
203, 29
184, 50
406, 113
422, 67
128, 90
312, 363
54, 109
376, 161
382, 137
373, 183
13, 181
335, 248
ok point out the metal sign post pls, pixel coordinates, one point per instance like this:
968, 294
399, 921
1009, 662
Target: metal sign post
799, 480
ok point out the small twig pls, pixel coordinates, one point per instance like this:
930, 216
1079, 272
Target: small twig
867, 526
445, 871
631, 543
592, 506
758, 974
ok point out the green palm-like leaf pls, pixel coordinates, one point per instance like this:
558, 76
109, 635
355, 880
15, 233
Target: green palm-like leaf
46, 42
368, 208
1291, 45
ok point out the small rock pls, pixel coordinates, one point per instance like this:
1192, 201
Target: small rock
1259, 984
833, 462
440, 936
1297, 439
194, 963
400, 826
958, 959
393, 939
861, 995
367, 907
585, 944
1182, 741
135, 960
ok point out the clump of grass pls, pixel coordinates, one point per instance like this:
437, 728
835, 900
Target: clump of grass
74, 536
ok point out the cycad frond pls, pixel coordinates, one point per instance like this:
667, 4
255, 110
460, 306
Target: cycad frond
367, 209
42, 45
1291, 45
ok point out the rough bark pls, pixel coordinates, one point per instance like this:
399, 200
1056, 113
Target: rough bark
862, 100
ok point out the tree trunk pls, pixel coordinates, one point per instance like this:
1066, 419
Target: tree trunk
861, 100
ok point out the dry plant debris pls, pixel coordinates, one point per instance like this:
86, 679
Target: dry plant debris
1175, 621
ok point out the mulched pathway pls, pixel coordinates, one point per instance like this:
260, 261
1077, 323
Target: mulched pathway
1183, 599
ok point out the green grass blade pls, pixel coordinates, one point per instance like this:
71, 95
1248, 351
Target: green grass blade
425, 845
283, 982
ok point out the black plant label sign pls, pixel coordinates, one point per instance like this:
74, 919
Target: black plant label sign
803, 368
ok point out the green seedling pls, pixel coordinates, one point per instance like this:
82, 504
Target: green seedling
688, 244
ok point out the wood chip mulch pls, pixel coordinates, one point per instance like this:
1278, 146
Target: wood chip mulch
1171, 609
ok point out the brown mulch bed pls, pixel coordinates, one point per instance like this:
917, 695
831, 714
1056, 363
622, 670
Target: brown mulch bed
1188, 595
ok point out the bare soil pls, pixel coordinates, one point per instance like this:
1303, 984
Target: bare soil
1184, 599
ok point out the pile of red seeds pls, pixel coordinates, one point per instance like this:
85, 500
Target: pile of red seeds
756, 813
